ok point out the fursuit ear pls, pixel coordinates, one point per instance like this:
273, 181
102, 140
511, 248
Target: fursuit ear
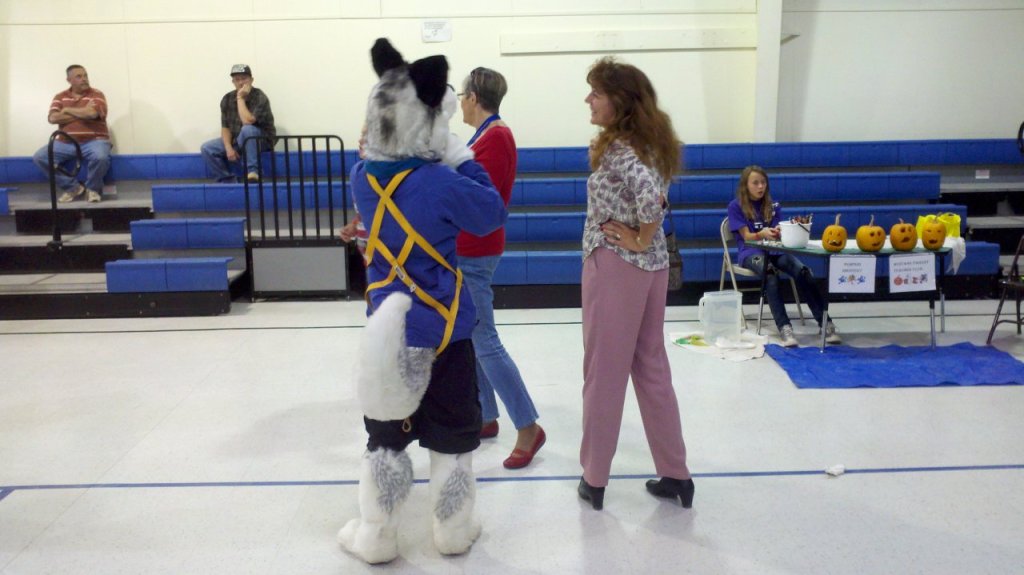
430, 76
384, 56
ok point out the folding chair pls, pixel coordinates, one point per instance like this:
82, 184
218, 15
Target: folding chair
734, 270
1014, 284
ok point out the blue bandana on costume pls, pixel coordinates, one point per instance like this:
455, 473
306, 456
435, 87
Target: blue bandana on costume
387, 170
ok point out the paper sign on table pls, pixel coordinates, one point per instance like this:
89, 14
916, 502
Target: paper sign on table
851, 274
911, 272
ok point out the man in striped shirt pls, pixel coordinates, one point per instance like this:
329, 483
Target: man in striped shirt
81, 113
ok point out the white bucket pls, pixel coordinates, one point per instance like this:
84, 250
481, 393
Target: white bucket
795, 235
721, 315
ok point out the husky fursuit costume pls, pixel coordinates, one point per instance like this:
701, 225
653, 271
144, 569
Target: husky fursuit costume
416, 378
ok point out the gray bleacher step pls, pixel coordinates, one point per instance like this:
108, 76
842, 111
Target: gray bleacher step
981, 186
68, 239
237, 255
995, 222
42, 283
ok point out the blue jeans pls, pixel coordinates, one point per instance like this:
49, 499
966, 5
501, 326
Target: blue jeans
216, 155
95, 154
495, 370
795, 269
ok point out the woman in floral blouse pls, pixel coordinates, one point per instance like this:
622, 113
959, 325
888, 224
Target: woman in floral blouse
625, 281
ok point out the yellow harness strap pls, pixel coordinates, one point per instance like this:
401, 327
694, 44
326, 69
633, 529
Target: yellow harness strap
375, 245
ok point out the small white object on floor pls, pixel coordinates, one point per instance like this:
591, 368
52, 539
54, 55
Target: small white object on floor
836, 470
749, 346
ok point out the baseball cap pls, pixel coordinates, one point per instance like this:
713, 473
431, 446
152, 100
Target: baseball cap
241, 69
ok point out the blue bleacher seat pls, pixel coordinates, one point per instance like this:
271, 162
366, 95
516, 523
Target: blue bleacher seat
197, 274
179, 198
159, 234
167, 275
131, 276
215, 232
699, 265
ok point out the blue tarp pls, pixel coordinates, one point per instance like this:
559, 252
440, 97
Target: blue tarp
843, 367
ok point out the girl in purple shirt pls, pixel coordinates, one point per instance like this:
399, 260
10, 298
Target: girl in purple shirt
754, 217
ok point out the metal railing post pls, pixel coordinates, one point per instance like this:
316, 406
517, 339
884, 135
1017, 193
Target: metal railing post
56, 243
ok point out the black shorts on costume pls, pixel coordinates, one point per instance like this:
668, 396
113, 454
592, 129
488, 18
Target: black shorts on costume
448, 420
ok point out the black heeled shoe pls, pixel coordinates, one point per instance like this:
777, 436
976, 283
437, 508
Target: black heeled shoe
595, 495
668, 487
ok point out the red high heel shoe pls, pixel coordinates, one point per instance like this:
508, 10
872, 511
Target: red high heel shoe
521, 458
489, 430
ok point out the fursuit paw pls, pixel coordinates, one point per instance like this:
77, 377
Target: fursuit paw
455, 152
455, 539
371, 543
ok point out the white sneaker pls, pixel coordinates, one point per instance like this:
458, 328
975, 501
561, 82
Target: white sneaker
72, 195
253, 176
831, 335
93, 197
788, 339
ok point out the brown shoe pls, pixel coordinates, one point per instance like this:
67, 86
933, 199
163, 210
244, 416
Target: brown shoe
72, 195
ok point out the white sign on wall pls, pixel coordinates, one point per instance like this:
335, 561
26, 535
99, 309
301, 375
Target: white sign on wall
436, 31
911, 272
851, 274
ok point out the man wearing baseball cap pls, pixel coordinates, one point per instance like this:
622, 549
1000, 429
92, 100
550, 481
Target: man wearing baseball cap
244, 113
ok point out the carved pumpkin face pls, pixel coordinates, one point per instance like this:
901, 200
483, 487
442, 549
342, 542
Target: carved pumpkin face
903, 237
933, 234
834, 237
870, 238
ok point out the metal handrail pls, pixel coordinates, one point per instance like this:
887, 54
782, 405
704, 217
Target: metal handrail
289, 237
56, 243
289, 231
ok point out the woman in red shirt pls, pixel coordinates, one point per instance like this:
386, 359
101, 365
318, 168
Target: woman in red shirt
495, 149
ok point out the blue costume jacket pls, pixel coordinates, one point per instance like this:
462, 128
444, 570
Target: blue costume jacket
438, 202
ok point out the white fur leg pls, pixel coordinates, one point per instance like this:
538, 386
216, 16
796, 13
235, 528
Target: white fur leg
384, 483
390, 377
452, 495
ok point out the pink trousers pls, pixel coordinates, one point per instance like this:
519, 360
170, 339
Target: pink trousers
623, 337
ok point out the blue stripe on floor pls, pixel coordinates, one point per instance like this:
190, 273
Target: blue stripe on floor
6, 490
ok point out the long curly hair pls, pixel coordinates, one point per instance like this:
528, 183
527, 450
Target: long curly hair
637, 118
743, 195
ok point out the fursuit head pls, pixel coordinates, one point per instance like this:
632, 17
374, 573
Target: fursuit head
409, 108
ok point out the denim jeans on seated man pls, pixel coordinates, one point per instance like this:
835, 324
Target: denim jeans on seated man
95, 155
495, 370
216, 155
794, 268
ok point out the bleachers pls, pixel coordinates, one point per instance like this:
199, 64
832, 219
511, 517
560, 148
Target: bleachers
812, 155
887, 180
231, 197
721, 189
188, 233
168, 275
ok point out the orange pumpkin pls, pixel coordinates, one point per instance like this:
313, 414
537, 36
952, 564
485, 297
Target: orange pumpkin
903, 237
870, 238
933, 234
834, 237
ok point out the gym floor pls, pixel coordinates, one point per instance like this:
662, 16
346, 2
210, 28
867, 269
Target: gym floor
231, 444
